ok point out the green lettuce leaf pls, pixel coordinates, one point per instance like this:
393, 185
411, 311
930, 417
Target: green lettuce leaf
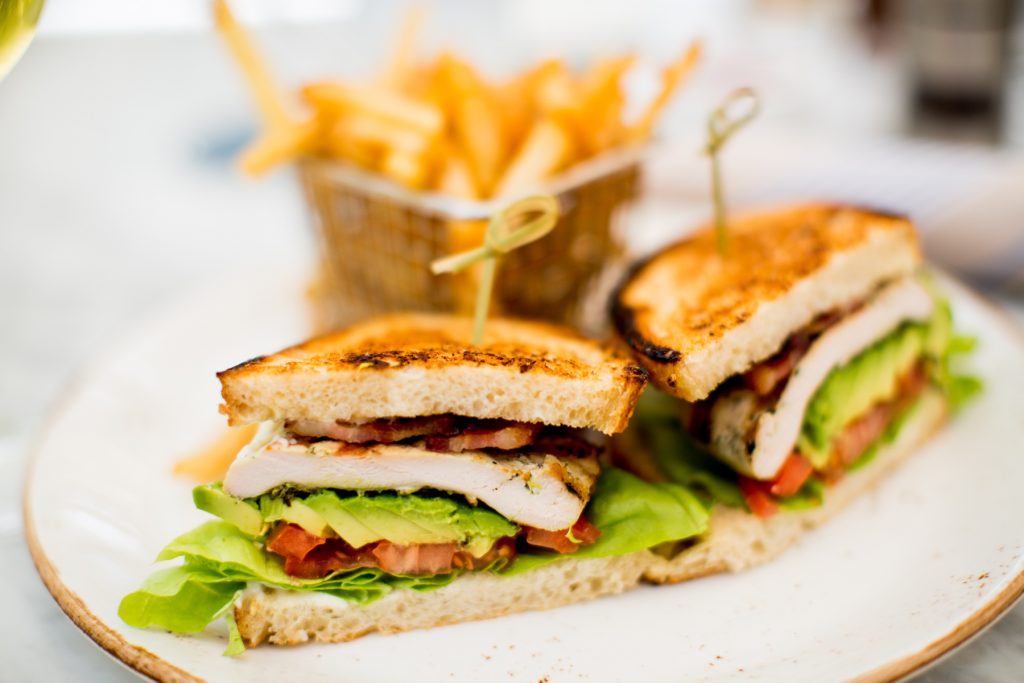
236, 645
183, 599
677, 456
810, 495
657, 443
959, 386
632, 515
219, 549
220, 559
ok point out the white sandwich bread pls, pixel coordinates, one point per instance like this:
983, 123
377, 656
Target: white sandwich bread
403, 478
794, 370
291, 617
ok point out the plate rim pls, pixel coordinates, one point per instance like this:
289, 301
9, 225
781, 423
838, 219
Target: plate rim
142, 661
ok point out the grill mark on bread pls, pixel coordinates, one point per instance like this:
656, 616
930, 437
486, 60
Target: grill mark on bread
624, 319
518, 357
243, 365
521, 372
679, 308
435, 349
757, 270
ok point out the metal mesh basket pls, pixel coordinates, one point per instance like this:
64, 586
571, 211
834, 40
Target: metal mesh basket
378, 240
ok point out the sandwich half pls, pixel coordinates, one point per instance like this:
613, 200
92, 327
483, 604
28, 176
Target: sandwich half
801, 366
402, 478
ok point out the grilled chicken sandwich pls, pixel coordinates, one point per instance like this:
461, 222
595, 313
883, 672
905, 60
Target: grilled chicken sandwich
402, 478
814, 347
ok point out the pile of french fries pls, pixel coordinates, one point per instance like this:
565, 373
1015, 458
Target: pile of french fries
440, 126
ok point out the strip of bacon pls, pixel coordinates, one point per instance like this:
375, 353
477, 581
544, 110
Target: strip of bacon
380, 431
565, 446
506, 436
767, 375
764, 377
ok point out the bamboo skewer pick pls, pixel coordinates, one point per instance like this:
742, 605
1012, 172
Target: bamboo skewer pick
518, 224
735, 111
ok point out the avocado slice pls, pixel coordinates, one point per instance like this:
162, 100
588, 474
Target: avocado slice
242, 513
294, 511
869, 378
360, 519
344, 523
410, 519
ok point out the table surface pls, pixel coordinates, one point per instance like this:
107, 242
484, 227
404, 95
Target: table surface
108, 215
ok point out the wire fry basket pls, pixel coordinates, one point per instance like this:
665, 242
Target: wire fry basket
377, 240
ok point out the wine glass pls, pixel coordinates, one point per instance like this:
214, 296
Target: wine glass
18, 19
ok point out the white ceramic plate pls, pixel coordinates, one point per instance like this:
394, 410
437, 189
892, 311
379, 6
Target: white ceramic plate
905, 574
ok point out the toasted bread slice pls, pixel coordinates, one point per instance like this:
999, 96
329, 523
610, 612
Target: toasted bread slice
409, 365
289, 618
737, 539
694, 318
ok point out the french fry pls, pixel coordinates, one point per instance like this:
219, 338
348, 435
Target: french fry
440, 125
267, 94
515, 102
386, 104
545, 150
478, 129
476, 122
457, 77
591, 108
339, 144
455, 178
555, 89
212, 462
400, 68
410, 170
603, 128
517, 99
281, 143
671, 78
382, 133
606, 74
599, 112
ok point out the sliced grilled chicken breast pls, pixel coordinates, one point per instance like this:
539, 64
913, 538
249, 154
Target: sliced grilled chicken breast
776, 430
538, 490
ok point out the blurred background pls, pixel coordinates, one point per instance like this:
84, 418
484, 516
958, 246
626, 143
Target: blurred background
120, 194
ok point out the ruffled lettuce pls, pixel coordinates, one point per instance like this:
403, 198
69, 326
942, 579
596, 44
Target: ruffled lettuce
669, 450
220, 559
632, 515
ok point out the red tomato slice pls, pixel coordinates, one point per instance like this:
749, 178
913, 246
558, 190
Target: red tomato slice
422, 559
291, 540
758, 497
792, 476
324, 560
583, 531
